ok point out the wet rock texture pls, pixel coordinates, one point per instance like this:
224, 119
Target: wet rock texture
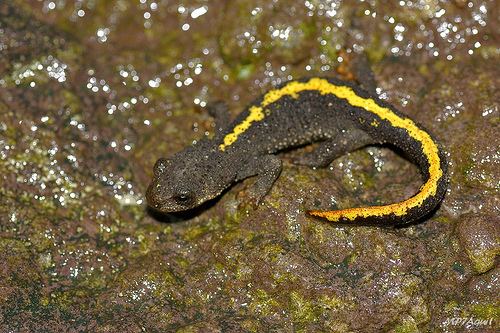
93, 92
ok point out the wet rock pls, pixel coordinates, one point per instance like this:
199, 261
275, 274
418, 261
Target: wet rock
483, 291
23, 38
93, 92
480, 238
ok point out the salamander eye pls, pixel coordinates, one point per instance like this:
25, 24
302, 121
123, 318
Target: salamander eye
160, 166
183, 198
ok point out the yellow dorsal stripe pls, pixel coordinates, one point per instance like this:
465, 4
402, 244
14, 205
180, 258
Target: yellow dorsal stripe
429, 147
255, 113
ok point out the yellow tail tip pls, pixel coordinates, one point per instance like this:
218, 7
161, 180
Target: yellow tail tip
332, 216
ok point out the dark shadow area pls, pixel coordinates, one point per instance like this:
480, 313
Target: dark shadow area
176, 217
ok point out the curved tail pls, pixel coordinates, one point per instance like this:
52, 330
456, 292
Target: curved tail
381, 121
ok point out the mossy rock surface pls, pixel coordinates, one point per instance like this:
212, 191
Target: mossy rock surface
92, 93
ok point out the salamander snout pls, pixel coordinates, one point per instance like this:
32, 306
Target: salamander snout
156, 195
153, 198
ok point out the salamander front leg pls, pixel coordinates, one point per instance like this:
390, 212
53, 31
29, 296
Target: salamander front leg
364, 74
220, 112
329, 150
267, 169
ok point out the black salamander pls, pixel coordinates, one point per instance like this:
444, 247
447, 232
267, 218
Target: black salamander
341, 116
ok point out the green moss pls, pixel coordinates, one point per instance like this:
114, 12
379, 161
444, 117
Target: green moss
408, 325
285, 277
244, 71
145, 243
95, 281
333, 303
193, 328
43, 242
243, 271
484, 260
308, 28
302, 310
337, 326
44, 301
165, 282
251, 325
64, 299
318, 230
420, 311
163, 92
487, 311
272, 252
234, 218
182, 262
263, 304
376, 51
411, 285
199, 230
451, 306
18, 251
334, 38
443, 219
45, 260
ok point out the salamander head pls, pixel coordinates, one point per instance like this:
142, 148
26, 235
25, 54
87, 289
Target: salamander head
187, 179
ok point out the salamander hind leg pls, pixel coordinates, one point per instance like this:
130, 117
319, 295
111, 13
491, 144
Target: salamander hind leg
267, 169
329, 150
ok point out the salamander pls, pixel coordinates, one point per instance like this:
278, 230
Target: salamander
340, 116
